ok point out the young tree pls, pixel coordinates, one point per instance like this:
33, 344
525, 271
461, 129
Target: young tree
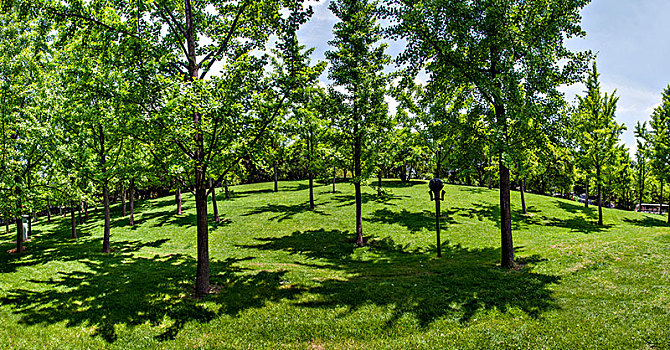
598, 131
500, 48
659, 140
357, 62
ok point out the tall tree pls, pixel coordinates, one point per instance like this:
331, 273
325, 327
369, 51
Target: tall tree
500, 48
598, 131
357, 64
659, 136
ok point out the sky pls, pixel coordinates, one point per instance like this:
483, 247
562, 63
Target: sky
630, 37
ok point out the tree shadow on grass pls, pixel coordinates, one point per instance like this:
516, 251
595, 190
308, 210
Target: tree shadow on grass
414, 222
577, 208
348, 199
578, 223
457, 286
124, 289
284, 212
648, 221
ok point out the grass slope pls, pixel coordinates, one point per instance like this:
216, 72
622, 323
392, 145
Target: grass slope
292, 278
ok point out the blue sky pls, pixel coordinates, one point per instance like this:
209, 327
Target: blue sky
630, 37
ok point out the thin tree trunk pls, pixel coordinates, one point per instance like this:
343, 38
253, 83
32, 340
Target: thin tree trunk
79, 213
490, 181
48, 212
131, 222
276, 177
438, 167
641, 186
178, 200
379, 183
506, 243
35, 217
123, 202
202, 270
345, 173
523, 197
86, 211
357, 181
334, 174
214, 205
105, 193
600, 204
72, 221
660, 199
30, 227
225, 187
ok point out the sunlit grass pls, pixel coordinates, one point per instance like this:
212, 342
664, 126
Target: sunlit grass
293, 278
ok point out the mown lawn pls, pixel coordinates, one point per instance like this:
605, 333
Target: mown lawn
292, 278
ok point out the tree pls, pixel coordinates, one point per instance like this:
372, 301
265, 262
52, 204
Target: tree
641, 158
500, 48
598, 131
659, 136
357, 62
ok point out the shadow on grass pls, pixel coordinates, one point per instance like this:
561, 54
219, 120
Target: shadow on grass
649, 221
284, 212
123, 289
457, 286
475, 190
347, 200
577, 208
414, 222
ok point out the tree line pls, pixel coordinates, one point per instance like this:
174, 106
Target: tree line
104, 100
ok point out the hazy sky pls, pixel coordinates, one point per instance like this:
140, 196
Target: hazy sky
630, 37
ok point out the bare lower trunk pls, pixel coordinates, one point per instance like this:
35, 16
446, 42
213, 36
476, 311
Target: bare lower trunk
131, 222
105, 239
123, 202
600, 200
523, 197
79, 213
202, 270
660, 199
225, 187
507, 246
276, 177
48, 212
311, 191
178, 200
214, 205
379, 183
490, 181
73, 223
86, 211
334, 180
357, 186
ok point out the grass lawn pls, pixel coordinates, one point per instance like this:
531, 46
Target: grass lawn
292, 278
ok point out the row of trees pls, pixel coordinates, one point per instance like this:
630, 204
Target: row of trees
166, 95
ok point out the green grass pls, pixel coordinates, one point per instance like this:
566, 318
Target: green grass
292, 278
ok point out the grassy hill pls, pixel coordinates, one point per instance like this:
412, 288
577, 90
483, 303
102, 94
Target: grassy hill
292, 278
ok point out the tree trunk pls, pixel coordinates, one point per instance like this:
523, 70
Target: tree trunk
490, 187
79, 213
19, 234
379, 183
72, 222
600, 204
214, 205
123, 202
334, 174
660, 199
178, 200
506, 243
345, 173
641, 186
438, 167
48, 212
30, 227
523, 197
86, 211
225, 187
586, 201
357, 180
105, 193
507, 246
311, 191
276, 177
202, 270
132, 202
